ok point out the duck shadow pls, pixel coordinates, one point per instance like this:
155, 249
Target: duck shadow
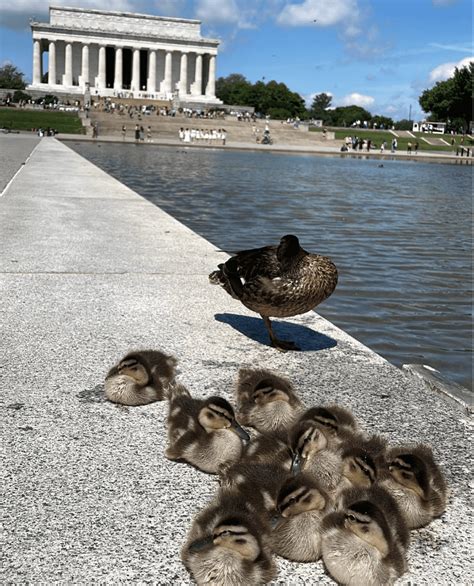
253, 327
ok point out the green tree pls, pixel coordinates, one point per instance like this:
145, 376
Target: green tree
347, 115
234, 90
451, 99
11, 78
319, 107
379, 120
404, 124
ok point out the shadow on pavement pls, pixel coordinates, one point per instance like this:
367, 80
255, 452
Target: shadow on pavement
253, 327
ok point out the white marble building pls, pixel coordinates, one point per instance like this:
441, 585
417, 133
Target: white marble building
123, 54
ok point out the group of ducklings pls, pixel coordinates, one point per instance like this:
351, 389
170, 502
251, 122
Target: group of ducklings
305, 483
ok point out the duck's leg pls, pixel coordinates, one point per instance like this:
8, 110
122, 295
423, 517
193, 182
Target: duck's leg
281, 345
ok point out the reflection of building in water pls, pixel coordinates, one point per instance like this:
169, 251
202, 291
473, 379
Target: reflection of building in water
121, 53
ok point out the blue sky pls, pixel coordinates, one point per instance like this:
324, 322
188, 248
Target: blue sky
379, 54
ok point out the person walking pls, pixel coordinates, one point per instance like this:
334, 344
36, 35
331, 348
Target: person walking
124, 131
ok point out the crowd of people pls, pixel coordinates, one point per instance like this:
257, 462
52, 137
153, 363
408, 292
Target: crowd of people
207, 135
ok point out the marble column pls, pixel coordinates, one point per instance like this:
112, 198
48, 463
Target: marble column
85, 66
52, 63
118, 79
67, 78
101, 76
135, 85
151, 85
197, 86
36, 62
168, 71
211, 81
183, 75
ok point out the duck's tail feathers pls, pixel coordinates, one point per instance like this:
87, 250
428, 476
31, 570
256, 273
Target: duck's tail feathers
228, 278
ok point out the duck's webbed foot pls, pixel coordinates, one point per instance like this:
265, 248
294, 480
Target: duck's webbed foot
280, 345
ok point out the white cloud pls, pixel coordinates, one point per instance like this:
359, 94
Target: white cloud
217, 11
319, 13
17, 14
356, 99
446, 70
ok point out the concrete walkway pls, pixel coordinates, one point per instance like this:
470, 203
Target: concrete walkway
90, 270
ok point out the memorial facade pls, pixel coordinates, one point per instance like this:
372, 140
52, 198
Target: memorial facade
123, 54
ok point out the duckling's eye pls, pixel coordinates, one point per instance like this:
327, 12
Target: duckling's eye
351, 518
365, 529
407, 475
211, 415
240, 541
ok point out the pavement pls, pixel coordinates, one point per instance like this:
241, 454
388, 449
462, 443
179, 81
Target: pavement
90, 270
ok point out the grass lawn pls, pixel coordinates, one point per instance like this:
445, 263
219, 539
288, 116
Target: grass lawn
378, 136
19, 119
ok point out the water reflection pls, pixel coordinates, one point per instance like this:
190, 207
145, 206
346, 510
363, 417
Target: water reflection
400, 235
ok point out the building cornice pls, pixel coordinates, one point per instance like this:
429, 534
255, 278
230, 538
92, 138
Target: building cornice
99, 36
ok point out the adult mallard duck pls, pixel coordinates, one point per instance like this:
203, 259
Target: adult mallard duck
278, 281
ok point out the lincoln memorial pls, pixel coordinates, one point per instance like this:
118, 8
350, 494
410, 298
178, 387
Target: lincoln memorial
123, 54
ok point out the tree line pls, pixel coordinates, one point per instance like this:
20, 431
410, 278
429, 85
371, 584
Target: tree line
449, 101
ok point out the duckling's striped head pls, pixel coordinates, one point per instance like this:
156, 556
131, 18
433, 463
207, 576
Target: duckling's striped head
266, 392
306, 439
134, 367
412, 472
332, 418
232, 534
217, 414
367, 521
300, 495
363, 460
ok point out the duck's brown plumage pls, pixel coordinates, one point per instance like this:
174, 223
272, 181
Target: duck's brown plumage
278, 281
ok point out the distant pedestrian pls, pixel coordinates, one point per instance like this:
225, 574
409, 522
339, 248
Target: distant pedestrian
148, 134
409, 148
369, 144
417, 144
124, 131
137, 133
141, 134
383, 146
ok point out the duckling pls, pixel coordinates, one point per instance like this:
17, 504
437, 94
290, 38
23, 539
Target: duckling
363, 460
416, 482
315, 451
228, 544
365, 542
333, 417
266, 401
278, 281
141, 377
203, 432
301, 506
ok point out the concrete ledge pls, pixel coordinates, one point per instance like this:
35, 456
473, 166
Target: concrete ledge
89, 270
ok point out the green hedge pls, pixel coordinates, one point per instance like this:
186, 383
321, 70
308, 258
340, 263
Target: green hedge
20, 119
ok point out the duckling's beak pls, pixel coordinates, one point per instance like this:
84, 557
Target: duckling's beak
296, 464
275, 519
201, 544
240, 431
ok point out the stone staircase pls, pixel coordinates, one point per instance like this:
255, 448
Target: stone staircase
167, 128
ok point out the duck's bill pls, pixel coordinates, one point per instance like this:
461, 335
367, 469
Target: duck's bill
296, 465
240, 431
201, 544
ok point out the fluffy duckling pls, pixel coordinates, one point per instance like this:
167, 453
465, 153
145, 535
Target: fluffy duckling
266, 401
227, 544
416, 482
315, 451
337, 420
202, 432
278, 281
363, 461
301, 506
365, 541
141, 377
